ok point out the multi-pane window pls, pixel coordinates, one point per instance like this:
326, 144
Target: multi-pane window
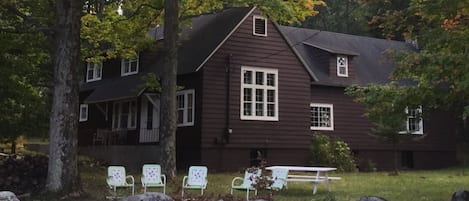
185, 102
322, 116
259, 26
124, 115
94, 71
259, 94
342, 66
83, 112
414, 121
129, 66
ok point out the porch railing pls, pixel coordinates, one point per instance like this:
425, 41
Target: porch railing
149, 135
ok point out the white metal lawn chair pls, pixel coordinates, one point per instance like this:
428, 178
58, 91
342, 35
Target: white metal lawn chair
196, 179
117, 178
248, 182
279, 179
152, 177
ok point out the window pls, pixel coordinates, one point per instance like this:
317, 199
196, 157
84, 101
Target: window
259, 94
124, 115
322, 116
414, 121
93, 71
129, 66
259, 26
185, 107
342, 66
83, 112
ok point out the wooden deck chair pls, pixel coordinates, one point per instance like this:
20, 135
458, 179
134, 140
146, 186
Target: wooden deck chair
279, 179
152, 177
117, 178
196, 179
250, 179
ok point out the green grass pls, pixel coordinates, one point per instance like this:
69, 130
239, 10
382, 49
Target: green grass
435, 185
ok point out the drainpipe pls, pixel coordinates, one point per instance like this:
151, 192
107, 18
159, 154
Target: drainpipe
228, 130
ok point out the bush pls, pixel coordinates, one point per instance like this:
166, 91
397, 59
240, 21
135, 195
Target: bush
334, 153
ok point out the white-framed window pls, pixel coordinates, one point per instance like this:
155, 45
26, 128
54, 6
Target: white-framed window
259, 25
414, 122
342, 66
94, 71
259, 94
322, 116
185, 107
124, 115
129, 66
83, 112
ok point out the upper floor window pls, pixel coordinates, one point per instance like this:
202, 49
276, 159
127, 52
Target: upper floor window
342, 66
259, 94
129, 66
93, 71
322, 116
185, 102
259, 25
414, 122
83, 112
124, 115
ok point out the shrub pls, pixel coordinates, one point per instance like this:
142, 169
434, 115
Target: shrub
334, 153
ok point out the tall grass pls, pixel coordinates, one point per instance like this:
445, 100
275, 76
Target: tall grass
437, 185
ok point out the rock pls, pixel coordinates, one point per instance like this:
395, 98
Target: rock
148, 197
8, 196
372, 198
460, 195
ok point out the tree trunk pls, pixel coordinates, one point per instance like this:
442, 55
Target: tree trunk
62, 175
168, 90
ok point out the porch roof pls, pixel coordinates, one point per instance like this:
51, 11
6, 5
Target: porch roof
118, 89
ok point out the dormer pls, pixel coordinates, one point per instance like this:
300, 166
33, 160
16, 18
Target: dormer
259, 25
129, 66
334, 61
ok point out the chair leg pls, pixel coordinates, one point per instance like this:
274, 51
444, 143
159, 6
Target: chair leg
247, 194
231, 192
133, 190
144, 189
164, 189
202, 191
182, 192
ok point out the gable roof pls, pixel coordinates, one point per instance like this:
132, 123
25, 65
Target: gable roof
199, 42
371, 61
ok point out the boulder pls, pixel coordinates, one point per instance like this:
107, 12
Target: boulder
150, 196
8, 196
460, 195
372, 198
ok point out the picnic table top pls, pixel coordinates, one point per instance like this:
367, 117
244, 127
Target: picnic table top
303, 168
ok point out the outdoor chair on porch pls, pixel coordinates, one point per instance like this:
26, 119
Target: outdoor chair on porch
152, 177
117, 179
279, 179
196, 179
248, 182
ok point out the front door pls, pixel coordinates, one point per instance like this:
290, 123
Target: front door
150, 119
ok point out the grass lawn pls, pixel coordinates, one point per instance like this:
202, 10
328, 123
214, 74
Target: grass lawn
435, 185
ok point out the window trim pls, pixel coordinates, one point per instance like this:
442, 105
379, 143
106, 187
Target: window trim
264, 87
345, 66
92, 66
83, 106
129, 118
254, 17
185, 109
130, 60
407, 131
324, 105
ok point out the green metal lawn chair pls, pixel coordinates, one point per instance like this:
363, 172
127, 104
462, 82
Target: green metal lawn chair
248, 182
279, 179
152, 177
117, 178
196, 179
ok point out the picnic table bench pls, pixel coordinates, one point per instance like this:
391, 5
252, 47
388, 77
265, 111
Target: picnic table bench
321, 175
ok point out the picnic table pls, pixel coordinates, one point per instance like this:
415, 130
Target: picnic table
321, 175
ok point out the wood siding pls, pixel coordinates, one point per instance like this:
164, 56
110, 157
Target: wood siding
351, 126
220, 113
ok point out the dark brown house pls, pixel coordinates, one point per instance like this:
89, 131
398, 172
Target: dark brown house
250, 85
